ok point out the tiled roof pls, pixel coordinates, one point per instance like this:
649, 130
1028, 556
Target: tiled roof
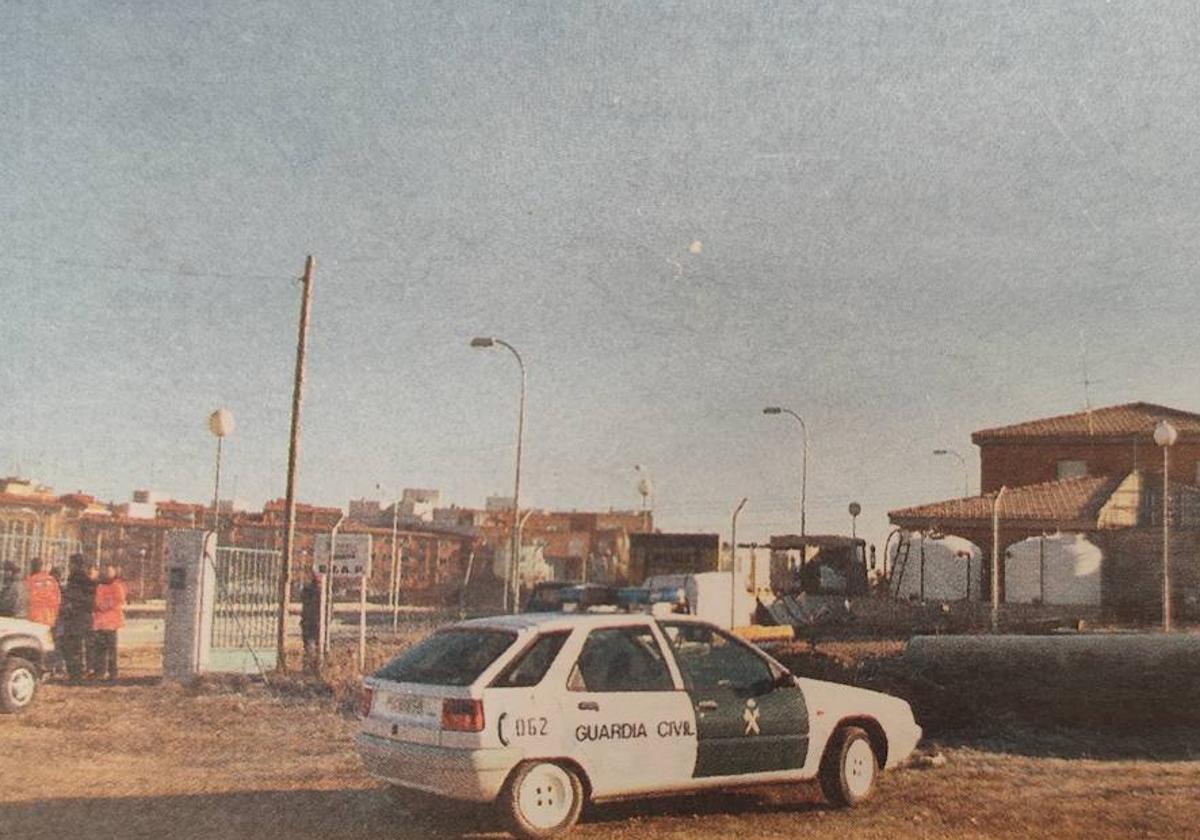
21, 500
1069, 500
1136, 418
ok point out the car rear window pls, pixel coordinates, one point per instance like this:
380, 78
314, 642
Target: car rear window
449, 657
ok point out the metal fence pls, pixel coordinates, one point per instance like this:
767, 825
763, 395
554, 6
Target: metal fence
246, 603
21, 548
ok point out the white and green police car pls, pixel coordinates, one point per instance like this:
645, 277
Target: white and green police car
544, 712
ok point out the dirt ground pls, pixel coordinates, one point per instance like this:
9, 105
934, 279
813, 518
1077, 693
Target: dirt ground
148, 760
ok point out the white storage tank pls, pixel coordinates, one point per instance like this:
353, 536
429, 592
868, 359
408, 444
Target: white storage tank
938, 569
1060, 569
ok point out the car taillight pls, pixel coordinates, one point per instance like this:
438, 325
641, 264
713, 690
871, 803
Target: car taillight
462, 715
365, 695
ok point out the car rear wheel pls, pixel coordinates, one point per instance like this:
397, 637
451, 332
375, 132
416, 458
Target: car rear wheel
542, 799
849, 768
18, 685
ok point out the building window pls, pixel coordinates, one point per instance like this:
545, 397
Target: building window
1072, 469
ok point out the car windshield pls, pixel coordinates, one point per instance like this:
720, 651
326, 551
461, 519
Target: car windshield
449, 657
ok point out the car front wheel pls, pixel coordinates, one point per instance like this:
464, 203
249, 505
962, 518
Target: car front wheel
18, 685
542, 799
849, 768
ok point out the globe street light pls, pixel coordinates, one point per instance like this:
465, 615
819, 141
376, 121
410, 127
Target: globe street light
512, 578
220, 423
774, 409
1165, 436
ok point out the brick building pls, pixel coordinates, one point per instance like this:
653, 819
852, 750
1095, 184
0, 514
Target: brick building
435, 545
1105, 441
1097, 474
574, 545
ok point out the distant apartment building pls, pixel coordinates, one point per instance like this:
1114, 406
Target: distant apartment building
460, 517
419, 504
414, 505
497, 503
35, 522
434, 546
574, 545
365, 510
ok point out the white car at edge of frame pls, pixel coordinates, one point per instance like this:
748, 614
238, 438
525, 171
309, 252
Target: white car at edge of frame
541, 713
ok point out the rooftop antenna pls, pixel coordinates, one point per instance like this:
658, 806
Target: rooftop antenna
1087, 394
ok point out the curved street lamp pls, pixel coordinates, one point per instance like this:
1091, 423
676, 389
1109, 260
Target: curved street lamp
961, 460
1165, 436
775, 409
514, 581
733, 564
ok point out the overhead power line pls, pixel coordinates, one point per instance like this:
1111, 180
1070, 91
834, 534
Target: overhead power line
136, 269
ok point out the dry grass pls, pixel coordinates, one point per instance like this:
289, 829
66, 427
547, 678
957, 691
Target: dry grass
236, 758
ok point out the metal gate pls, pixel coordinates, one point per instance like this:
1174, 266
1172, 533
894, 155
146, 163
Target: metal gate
245, 610
20, 548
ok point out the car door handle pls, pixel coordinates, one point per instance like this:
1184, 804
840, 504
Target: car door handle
707, 705
589, 706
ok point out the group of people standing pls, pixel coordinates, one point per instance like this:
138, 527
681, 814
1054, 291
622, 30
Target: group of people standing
86, 612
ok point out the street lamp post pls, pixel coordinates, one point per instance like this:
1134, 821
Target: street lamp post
733, 563
142, 574
514, 581
774, 409
855, 509
1165, 436
220, 423
393, 579
961, 460
395, 592
646, 490
995, 613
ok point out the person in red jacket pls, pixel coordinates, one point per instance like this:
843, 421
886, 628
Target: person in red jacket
44, 594
108, 616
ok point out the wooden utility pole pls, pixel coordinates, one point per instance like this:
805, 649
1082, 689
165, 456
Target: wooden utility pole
289, 532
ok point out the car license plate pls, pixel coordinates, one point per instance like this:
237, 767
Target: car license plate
413, 705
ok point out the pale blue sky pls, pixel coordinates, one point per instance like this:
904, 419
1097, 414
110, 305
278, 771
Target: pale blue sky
910, 215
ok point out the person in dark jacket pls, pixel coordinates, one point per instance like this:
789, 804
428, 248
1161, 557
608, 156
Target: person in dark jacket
58, 665
79, 598
13, 600
310, 619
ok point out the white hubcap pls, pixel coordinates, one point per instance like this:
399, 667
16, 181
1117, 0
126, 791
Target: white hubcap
545, 796
20, 686
860, 768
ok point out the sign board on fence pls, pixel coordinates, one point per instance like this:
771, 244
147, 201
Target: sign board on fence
352, 559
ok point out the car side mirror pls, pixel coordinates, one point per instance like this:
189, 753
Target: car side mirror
766, 686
